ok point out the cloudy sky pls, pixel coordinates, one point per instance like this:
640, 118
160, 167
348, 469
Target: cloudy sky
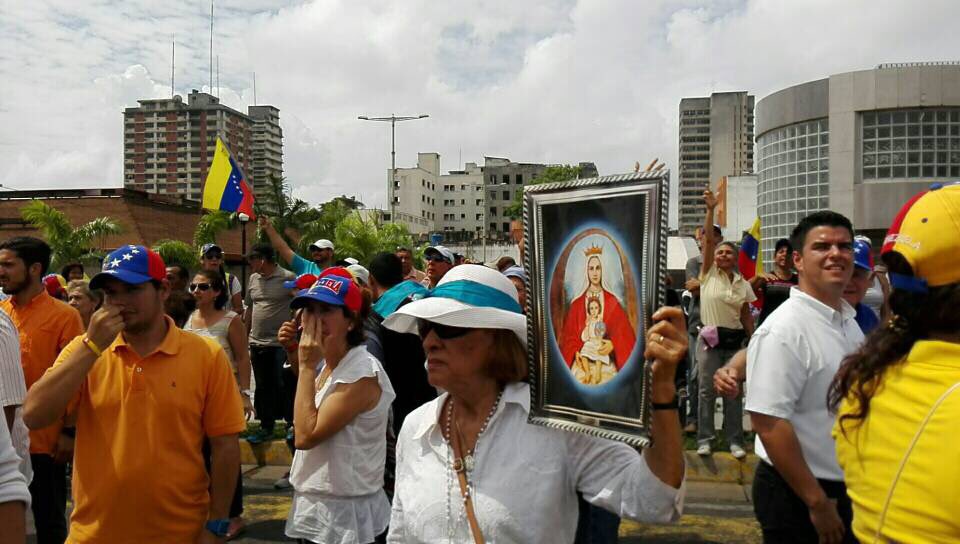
556, 81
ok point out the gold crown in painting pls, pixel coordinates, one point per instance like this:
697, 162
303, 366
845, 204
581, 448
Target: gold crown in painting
593, 250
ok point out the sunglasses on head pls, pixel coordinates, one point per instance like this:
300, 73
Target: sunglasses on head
199, 286
445, 332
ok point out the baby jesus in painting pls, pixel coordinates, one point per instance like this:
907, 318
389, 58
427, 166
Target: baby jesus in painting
592, 367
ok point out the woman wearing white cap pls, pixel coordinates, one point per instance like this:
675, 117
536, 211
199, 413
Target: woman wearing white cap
340, 419
469, 466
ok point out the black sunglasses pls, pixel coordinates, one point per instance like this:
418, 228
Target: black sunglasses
213, 255
200, 286
436, 258
445, 332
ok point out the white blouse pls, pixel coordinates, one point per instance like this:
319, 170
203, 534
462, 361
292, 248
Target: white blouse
338, 484
524, 483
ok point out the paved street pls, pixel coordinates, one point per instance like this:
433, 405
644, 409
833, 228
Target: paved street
716, 513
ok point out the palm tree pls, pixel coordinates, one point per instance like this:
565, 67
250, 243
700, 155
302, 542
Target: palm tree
176, 252
290, 216
211, 224
68, 243
362, 238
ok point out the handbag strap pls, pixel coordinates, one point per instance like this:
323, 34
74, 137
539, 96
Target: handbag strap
461, 470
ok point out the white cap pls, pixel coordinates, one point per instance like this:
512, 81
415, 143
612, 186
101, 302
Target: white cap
351, 260
444, 252
322, 243
361, 274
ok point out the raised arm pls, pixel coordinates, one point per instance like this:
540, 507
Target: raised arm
275, 239
710, 240
47, 400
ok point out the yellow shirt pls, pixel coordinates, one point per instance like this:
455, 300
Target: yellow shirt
925, 500
721, 299
45, 325
138, 464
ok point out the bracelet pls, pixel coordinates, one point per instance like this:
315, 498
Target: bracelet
91, 346
672, 405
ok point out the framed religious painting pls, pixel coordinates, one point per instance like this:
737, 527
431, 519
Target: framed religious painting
596, 254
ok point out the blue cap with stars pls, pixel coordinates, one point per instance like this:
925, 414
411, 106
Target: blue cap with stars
131, 264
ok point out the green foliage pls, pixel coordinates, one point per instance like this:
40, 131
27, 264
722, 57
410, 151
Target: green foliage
552, 174
290, 216
362, 238
175, 252
210, 225
69, 243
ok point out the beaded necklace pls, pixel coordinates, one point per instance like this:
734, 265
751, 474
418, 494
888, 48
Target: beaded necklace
466, 464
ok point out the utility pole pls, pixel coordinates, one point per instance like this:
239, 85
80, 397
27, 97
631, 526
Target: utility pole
393, 119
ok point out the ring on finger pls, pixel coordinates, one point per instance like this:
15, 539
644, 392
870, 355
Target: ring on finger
659, 339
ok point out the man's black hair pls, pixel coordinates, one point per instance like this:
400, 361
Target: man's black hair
182, 271
783, 242
387, 269
825, 218
30, 250
264, 250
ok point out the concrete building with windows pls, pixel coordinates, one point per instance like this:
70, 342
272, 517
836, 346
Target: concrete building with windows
168, 145
859, 143
465, 204
716, 140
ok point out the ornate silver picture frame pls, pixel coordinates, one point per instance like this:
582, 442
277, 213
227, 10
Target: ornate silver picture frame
595, 251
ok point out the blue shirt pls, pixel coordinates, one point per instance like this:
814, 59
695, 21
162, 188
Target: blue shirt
866, 318
302, 266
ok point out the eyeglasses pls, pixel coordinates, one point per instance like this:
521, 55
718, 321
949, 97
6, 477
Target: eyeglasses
445, 332
199, 286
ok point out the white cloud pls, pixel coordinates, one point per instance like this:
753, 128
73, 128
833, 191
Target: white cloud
546, 80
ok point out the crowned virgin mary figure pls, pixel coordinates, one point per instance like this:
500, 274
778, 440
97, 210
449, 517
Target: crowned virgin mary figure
619, 336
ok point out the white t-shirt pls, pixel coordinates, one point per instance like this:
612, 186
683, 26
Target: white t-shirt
13, 390
525, 482
13, 486
791, 360
338, 483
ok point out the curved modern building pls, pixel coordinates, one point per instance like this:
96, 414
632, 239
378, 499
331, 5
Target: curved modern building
859, 143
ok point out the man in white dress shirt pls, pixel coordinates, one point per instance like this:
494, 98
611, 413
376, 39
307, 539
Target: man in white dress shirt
798, 491
13, 391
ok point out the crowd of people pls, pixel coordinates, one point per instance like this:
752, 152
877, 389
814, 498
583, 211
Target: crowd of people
404, 395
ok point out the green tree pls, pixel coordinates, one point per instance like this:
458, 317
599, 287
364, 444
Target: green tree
362, 238
69, 243
552, 174
211, 224
176, 252
289, 215
329, 215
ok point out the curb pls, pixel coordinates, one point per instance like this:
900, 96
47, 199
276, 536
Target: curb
719, 467
274, 452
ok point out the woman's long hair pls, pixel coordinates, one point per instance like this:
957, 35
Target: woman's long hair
915, 317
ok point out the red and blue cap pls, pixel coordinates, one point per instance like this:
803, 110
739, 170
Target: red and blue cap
301, 282
334, 286
131, 264
862, 254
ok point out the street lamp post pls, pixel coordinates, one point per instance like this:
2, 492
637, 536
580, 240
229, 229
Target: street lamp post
393, 119
244, 218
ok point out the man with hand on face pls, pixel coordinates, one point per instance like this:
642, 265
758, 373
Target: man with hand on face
798, 489
321, 251
439, 261
145, 395
46, 325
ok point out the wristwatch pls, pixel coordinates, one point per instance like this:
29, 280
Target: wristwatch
218, 527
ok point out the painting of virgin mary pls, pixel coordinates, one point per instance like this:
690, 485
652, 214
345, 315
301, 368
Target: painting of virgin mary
597, 337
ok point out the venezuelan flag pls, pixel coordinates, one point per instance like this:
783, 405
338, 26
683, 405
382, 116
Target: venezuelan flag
749, 261
226, 188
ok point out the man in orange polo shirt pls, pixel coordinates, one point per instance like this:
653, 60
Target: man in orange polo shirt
145, 394
45, 325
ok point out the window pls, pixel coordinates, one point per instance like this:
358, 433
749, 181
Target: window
493, 179
506, 227
519, 179
493, 195
493, 227
506, 195
463, 216
493, 211
506, 179
479, 217
463, 202
479, 202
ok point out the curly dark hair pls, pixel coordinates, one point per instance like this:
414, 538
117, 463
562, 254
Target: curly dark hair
916, 317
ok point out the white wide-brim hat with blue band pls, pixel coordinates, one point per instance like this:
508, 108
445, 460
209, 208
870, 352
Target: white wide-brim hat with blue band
469, 296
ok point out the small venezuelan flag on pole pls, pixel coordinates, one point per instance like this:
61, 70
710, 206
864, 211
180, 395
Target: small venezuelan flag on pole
226, 188
749, 261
